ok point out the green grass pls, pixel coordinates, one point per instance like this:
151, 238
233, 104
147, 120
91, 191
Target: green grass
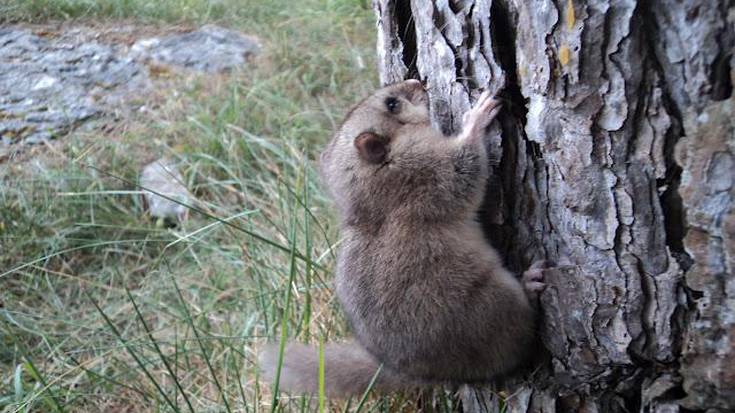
201, 11
103, 310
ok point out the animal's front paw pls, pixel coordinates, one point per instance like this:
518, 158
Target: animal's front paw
533, 279
479, 117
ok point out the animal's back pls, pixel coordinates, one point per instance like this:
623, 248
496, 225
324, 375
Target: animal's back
426, 300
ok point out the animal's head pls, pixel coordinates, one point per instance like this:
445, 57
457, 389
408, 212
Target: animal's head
367, 139
370, 125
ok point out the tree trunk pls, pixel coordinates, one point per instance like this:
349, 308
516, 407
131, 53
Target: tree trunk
616, 154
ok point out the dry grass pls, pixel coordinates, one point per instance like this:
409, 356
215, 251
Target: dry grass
103, 310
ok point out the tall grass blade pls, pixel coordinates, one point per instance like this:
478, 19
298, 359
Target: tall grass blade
110, 380
321, 375
37, 375
205, 213
158, 350
132, 353
31, 368
306, 317
285, 315
190, 321
364, 397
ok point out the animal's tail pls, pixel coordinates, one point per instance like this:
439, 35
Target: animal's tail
348, 370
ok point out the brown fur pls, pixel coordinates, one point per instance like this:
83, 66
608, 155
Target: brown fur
424, 292
348, 370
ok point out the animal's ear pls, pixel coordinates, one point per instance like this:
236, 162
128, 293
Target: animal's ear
372, 147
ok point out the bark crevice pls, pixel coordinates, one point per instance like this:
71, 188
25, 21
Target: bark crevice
721, 80
406, 29
668, 185
503, 33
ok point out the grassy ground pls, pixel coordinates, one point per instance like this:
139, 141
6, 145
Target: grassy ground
103, 310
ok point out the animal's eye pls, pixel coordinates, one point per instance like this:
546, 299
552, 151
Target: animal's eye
392, 104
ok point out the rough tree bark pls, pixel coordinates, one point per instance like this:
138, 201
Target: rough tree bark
618, 153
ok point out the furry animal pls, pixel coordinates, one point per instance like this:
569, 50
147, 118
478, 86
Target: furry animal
426, 295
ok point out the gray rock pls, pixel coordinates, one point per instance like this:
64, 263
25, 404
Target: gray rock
162, 177
210, 49
50, 84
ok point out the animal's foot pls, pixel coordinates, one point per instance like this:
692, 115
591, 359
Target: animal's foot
533, 278
480, 115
